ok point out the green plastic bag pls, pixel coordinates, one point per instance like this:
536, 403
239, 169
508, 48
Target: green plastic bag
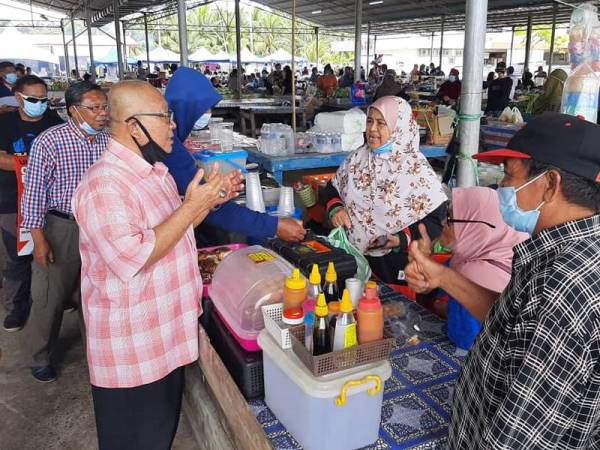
338, 239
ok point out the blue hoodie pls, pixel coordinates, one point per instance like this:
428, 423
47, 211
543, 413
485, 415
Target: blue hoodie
189, 95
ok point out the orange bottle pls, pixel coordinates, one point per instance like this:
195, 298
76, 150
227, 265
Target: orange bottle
370, 316
294, 291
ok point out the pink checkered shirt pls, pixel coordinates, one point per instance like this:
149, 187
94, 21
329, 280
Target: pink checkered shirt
141, 323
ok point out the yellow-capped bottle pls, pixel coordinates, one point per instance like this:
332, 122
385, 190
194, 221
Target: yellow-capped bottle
330, 288
321, 342
345, 326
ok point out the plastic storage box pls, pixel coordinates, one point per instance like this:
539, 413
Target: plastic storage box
315, 250
245, 281
227, 161
337, 412
246, 368
232, 247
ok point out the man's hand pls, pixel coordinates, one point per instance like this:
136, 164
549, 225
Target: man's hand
204, 197
290, 230
423, 274
341, 219
42, 253
425, 244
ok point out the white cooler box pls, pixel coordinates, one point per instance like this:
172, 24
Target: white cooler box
341, 411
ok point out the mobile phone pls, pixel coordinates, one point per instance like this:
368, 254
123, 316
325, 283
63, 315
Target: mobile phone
378, 243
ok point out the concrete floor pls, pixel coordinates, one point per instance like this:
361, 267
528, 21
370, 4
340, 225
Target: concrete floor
56, 415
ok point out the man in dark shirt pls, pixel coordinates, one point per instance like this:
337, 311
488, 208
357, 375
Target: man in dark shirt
17, 131
8, 78
532, 379
499, 91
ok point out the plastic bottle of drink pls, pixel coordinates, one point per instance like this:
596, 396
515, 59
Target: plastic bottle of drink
294, 292
314, 289
320, 342
345, 325
330, 288
370, 316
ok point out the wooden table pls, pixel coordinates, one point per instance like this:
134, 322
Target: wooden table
279, 165
276, 112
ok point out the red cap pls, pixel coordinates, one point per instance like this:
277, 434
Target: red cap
498, 156
454, 72
293, 316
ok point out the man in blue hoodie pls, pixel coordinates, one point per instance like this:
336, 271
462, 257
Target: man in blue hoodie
190, 95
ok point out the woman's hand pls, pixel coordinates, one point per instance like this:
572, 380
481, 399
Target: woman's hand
341, 218
393, 241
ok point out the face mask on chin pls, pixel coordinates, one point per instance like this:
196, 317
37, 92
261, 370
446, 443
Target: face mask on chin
86, 127
151, 151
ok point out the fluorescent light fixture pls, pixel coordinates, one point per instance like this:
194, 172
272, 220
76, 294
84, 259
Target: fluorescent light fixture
376, 2
318, 11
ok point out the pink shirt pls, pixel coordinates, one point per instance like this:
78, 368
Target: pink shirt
141, 324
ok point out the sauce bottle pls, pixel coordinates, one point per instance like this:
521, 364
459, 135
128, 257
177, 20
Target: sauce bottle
330, 288
334, 310
294, 291
320, 342
345, 325
314, 289
370, 316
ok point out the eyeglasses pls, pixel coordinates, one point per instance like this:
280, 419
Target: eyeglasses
451, 220
34, 99
168, 116
96, 109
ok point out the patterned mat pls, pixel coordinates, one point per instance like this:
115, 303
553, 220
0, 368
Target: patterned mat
416, 400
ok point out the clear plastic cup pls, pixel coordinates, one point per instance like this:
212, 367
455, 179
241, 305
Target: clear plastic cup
254, 195
226, 136
286, 202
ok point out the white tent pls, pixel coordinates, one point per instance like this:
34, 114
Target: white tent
16, 46
201, 55
162, 55
220, 57
282, 56
249, 58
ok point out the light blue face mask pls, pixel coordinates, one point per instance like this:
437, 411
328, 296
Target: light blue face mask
451, 78
514, 216
34, 109
11, 78
385, 148
86, 127
202, 122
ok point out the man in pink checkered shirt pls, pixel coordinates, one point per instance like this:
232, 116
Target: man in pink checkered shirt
140, 282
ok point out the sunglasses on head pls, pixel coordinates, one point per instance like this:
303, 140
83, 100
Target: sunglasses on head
34, 99
452, 220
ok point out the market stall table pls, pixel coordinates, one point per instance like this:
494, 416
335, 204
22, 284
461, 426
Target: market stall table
416, 402
279, 165
268, 112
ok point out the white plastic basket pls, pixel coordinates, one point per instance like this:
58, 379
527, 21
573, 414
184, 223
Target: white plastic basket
273, 318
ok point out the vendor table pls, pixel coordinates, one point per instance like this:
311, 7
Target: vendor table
278, 165
497, 134
269, 112
416, 401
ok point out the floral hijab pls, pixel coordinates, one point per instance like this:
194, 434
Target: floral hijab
385, 193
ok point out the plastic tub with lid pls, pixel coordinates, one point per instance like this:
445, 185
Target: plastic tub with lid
245, 281
341, 411
227, 161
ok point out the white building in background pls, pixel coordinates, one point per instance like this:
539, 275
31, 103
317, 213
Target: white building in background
402, 52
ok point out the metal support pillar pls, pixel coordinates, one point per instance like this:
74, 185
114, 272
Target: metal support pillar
183, 42
317, 45
512, 44
118, 39
147, 42
124, 46
552, 36
238, 47
442, 41
527, 45
74, 48
90, 44
357, 38
367, 69
375, 47
66, 49
470, 100
431, 50
293, 65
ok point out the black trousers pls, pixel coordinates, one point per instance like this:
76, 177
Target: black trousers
386, 267
139, 418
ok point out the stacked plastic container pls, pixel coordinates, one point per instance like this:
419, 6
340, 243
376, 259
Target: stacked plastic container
277, 139
341, 411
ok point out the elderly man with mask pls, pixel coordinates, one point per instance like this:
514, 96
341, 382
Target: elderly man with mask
141, 287
58, 159
190, 97
17, 131
532, 378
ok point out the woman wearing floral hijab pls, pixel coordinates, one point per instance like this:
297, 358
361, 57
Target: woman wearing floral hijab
383, 190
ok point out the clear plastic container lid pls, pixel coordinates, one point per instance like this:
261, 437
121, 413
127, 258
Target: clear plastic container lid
245, 281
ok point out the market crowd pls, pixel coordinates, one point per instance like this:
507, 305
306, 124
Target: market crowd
112, 197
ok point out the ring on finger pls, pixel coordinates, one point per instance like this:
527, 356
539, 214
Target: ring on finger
222, 193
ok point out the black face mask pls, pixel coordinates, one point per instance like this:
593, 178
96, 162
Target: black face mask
151, 151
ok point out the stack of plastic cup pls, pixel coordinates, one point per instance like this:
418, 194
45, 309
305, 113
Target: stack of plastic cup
213, 125
254, 195
286, 206
226, 136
